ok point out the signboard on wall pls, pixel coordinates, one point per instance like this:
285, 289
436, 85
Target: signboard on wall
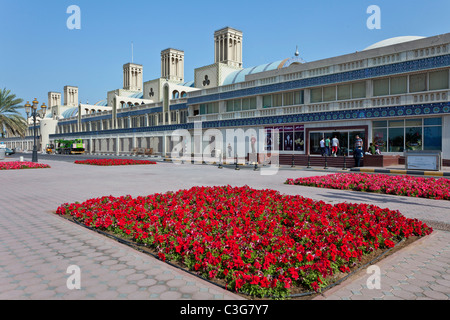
423, 160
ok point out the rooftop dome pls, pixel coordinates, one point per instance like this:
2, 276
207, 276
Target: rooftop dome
69, 113
239, 75
393, 41
187, 84
136, 95
102, 103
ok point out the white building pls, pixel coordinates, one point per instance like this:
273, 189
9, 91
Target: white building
394, 93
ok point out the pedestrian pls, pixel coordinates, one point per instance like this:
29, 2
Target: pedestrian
358, 154
358, 142
377, 150
322, 146
328, 146
372, 149
334, 146
229, 150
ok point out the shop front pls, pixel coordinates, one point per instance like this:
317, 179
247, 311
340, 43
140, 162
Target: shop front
345, 135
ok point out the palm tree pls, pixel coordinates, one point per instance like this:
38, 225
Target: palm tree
11, 121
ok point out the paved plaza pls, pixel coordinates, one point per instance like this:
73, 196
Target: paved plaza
37, 247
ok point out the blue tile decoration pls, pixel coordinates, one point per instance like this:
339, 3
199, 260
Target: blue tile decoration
362, 74
179, 106
369, 113
67, 122
99, 118
138, 112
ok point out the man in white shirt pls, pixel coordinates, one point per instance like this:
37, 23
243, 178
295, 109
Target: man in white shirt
322, 147
334, 146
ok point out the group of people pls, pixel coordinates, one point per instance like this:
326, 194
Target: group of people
329, 147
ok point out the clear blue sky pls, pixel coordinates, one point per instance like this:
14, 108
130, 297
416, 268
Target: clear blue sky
38, 53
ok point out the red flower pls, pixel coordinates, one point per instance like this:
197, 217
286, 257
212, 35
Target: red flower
16, 165
259, 238
114, 162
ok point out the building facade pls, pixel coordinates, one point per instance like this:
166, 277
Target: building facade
394, 94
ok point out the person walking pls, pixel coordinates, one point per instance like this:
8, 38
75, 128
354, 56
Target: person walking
229, 150
322, 146
328, 146
334, 146
358, 154
358, 142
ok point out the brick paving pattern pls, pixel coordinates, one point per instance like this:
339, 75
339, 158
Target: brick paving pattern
37, 247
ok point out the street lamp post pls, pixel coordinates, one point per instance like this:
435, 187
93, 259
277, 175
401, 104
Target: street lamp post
34, 114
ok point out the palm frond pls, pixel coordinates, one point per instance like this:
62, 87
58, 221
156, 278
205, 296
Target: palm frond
11, 121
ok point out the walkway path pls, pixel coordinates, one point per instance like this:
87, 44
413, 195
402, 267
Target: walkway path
37, 247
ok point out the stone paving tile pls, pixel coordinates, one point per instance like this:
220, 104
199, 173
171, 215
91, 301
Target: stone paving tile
34, 256
406, 286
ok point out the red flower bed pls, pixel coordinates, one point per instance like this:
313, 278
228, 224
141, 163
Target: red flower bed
114, 162
398, 185
15, 165
259, 242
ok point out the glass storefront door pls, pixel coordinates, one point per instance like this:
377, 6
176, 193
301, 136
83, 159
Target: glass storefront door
346, 141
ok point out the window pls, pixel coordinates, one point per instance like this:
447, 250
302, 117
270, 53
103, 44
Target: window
359, 90
432, 132
378, 124
277, 100
432, 121
399, 85
329, 93
293, 98
418, 82
248, 103
396, 137
433, 138
344, 92
238, 104
439, 80
316, 95
299, 97
208, 108
267, 101
381, 87
230, 106
413, 138
380, 138
410, 134
288, 99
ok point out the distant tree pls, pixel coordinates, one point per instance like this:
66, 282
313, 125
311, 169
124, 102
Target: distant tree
11, 121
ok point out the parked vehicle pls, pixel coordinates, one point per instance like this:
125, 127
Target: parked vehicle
75, 146
50, 148
9, 151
